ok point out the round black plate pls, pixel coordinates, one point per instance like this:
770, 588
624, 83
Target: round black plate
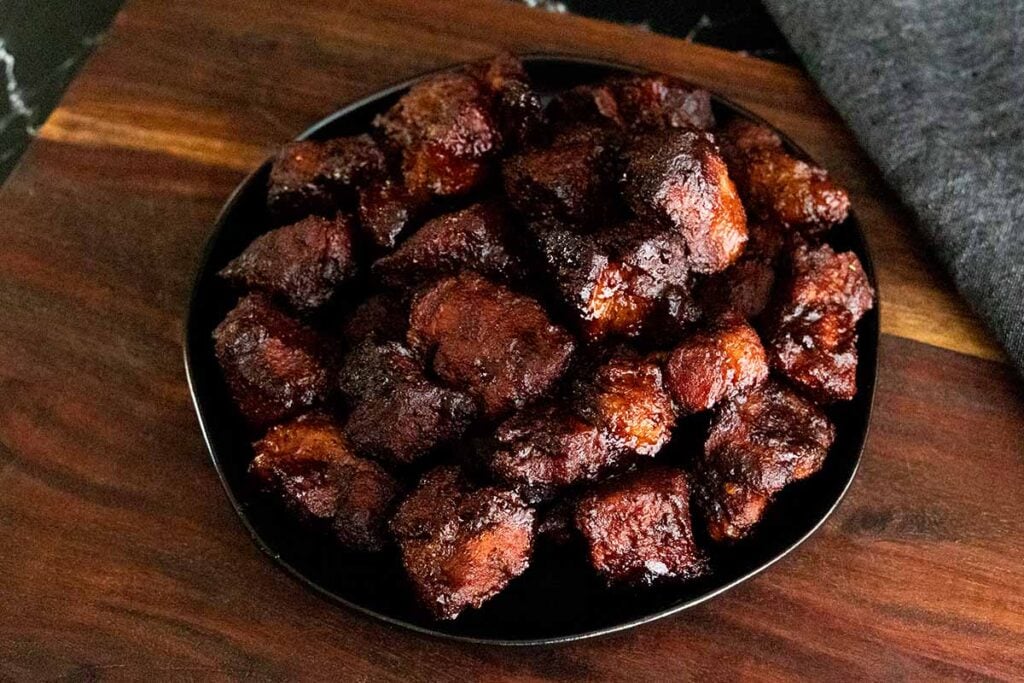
558, 598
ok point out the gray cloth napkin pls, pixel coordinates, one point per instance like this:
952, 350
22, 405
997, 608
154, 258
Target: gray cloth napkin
934, 91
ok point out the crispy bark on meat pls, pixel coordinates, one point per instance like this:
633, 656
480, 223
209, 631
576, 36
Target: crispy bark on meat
811, 327
651, 101
461, 545
445, 132
309, 177
386, 210
777, 186
300, 264
274, 365
759, 442
489, 341
639, 529
746, 286
382, 317
478, 238
309, 467
715, 363
611, 281
398, 414
571, 180
517, 106
678, 179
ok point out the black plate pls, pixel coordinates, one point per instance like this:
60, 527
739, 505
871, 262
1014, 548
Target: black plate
557, 599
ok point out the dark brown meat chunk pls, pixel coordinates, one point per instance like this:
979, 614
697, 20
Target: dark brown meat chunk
570, 181
677, 178
477, 238
445, 132
640, 102
777, 186
398, 415
716, 363
386, 209
274, 365
586, 104
308, 465
382, 317
759, 442
489, 341
516, 105
309, 177
639, 530
461, 545
626, 398
820, 277
816, 349
746, 286
301, 264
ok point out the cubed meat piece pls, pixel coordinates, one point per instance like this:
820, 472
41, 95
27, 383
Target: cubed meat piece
639, 530
759, 442
777, 186
516, 105
308, 466
717, 363
386, 210
542, 450
300, 265
489, 341
275, 366
586, 104
677, 178
625, 397
658, 101
655, 255
461, 545
382, 317
398, 414
746, 286
820, 277
309, 177
816, 350
477, 238
445, 132
570, 181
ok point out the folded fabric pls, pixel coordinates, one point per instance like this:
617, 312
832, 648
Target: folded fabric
934, 91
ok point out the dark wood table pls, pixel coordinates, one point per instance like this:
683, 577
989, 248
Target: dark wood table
119, 555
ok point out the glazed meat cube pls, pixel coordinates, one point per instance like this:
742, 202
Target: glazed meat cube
659, 101
386, 209
382, 317
274, 365
638, 528
820, 277
570, 181
486, 340
816, 349
777, 186
625, 397
746, 286
715, 364
308, 465
398, 414
308, 177
300, 264
516, 105
476, 238
546, 448
758, 443
678, 179
445, 132
656, 257
461, 545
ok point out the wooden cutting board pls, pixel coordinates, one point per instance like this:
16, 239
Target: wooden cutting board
119, 555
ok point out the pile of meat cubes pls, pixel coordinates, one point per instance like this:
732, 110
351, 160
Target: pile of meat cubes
479, 324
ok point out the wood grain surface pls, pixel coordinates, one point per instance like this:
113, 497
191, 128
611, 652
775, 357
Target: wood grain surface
119, 554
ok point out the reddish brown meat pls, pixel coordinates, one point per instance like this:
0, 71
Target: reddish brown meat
461, 545
308, 465
382, 317
746, 286
777, 186
516, 105
651, 101
309, 177
759, 442
398, 415
272, 363
477, 238
638, 529
678, 179
499, 346
716, 363
301, 265
446, 134
386, 209
820, 277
